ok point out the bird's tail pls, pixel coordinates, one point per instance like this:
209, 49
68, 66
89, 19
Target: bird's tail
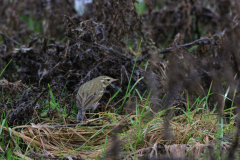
80, 116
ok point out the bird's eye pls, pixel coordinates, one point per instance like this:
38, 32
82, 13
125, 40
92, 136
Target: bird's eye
108, 80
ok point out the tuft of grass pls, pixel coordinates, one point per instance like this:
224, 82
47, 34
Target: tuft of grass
54, 102
129, 91
5, 68
141, 7
197, 126
33, 24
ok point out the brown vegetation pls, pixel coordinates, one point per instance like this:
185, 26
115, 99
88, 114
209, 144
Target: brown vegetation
182, 48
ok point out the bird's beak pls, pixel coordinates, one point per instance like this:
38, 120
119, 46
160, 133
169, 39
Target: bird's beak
113, 80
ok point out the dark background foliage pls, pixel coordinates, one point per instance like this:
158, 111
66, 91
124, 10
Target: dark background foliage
184, 46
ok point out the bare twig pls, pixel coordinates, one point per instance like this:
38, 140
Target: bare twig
10, 39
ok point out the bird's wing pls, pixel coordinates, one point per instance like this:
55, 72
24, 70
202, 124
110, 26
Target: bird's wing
88, 99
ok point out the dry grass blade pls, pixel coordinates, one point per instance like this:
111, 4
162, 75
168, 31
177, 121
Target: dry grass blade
57, 141
22, 156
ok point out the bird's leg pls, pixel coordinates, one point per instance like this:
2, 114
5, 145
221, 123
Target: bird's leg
86, 117
81, 115
95, 106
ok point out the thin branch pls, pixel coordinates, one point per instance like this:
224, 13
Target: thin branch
10, 39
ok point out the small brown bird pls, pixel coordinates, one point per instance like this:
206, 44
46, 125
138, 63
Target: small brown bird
90, 93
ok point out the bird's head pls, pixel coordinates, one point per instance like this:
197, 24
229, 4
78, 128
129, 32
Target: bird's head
106, 80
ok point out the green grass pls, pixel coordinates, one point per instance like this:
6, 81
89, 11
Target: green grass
141, 7
128, 92
136, 141
5, 68
142, 125
33, 24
